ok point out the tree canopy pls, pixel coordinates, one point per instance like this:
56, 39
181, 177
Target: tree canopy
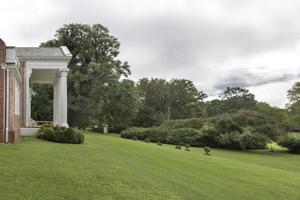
94, 67
162, 100
294, 107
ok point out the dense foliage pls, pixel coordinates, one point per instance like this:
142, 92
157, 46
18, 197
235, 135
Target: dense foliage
291, 141
42, 102
162, 100
97, 90
294, 107
243, 130
232, 99
61, 134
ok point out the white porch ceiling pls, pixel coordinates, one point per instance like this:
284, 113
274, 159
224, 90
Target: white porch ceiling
43, 76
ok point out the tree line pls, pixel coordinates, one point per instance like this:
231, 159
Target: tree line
99, 90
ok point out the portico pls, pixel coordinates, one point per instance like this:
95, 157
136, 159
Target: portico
20, 68
45, 66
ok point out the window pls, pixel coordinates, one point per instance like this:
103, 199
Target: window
17, 99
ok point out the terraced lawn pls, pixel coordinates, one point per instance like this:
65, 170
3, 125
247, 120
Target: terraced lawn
108, 167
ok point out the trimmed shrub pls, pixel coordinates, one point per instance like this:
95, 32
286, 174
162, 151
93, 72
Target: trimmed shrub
134, 132
291, 141
155, 134
187, 147
60, 134
182, 136
207, 150
178, 147
162, 134
147, 140
196, 123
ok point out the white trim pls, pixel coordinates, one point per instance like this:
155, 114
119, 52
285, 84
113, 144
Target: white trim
7, 106
66, 51
34, 58
47, 64
27, 97
17, 99
24, 131
4, 114
10, 55
16, 71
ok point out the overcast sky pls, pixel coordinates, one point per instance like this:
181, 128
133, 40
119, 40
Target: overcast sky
214, 43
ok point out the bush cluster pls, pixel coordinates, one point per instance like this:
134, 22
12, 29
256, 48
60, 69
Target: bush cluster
242, 130
61, 134
290, 141
196, 123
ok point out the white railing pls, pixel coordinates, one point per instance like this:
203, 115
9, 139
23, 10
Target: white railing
39, 123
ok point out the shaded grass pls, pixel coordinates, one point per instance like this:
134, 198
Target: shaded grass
107, 167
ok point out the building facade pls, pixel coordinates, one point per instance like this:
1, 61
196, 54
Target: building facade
20, 68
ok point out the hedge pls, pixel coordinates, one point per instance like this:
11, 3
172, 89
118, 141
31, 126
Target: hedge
241, 130
206, 136
61, 134
291, 141
196, 123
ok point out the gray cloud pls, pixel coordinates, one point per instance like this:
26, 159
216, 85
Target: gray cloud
244, 78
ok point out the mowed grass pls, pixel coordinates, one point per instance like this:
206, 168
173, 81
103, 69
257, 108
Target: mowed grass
107, 167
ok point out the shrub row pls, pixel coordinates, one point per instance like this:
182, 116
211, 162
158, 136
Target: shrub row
61, 134
196, 123
242, 130
206, 136
290, 141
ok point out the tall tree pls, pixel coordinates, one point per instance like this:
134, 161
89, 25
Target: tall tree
185, 101
294, 106
232, 99
152, 102
294, 93
163, 100
236, 98
93, 66
277, 114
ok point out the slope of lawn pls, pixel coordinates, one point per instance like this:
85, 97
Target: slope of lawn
107, 167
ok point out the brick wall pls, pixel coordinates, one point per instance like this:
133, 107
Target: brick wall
2, 103
2, 87
22, 95
14, 121
2, 51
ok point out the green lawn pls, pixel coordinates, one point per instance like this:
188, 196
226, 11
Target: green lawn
107, 167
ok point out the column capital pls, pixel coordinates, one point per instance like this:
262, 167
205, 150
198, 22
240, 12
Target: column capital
28, 72
63, 72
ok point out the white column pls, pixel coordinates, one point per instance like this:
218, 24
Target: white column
55, 103
28, 98
62, 101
